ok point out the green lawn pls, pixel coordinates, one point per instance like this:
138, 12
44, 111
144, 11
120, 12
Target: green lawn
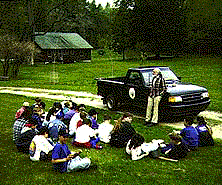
80, 76
114, 165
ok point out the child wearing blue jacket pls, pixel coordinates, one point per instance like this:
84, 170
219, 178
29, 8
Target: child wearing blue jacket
189, 134
63, 159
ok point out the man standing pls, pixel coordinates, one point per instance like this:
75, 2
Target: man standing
158, 87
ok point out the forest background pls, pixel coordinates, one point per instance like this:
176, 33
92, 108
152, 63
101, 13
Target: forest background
175, 27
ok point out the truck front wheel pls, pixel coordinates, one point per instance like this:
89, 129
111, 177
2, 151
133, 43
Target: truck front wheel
111, 102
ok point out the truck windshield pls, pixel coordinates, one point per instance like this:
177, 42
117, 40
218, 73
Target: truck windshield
168, 75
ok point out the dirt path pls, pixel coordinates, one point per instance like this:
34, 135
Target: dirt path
95, 101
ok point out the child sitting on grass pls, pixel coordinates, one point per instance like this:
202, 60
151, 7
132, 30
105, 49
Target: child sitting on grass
105, 129
62, 158
92, 115
41, 147
123, 131
205, 133
189, 134
26, 136
176, 149
86, 136
137, 148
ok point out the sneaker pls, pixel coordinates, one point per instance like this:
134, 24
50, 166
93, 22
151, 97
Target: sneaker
99, 147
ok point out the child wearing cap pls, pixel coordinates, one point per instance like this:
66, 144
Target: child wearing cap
205, 132
63, 159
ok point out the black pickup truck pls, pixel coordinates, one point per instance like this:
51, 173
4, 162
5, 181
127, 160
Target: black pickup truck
181, 99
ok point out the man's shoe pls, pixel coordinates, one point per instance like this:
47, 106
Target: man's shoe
149, 124
154, 124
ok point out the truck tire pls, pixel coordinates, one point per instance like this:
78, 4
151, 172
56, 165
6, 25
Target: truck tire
111, 102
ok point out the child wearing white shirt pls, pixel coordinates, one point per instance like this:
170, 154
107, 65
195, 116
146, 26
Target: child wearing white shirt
105, 129
137, 148
86, 136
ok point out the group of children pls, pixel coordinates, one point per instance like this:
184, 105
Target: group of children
43, 135
181, 142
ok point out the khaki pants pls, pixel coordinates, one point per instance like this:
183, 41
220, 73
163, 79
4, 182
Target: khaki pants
153, 103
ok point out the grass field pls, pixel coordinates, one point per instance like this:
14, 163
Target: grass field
114, 165
81, 76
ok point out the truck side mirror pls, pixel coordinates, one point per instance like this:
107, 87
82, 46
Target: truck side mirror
179, 77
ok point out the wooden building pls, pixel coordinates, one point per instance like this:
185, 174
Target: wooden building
62, 47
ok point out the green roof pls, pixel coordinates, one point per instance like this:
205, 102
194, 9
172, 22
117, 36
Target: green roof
61, 41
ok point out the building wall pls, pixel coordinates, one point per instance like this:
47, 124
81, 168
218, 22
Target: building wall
64, 55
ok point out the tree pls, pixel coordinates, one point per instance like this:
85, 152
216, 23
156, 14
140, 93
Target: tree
162, 23
122, 27
155, 23
204, 26
25, 17
13, 53
98, 27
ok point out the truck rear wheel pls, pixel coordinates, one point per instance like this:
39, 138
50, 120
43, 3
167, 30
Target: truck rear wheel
111, 103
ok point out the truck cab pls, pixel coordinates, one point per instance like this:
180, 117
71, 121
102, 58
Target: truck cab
133, 89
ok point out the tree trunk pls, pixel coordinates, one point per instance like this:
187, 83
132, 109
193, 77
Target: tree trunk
5, 67
16, 72
32, 59
123, 54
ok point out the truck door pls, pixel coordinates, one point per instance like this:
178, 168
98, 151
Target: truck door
136, 92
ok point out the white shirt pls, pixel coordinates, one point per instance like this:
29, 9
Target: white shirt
41, 144
104, 131
83, 134
73, 123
